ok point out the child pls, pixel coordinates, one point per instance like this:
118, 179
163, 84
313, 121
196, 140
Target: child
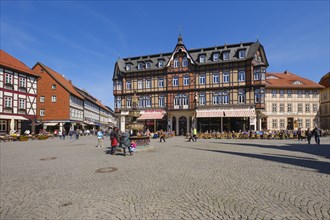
133, 146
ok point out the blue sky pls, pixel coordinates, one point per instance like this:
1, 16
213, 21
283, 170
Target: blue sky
83, 39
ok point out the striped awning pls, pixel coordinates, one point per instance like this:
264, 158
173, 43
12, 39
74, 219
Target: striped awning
151, 115
225, 113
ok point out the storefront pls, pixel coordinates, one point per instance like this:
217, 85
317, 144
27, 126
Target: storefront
154, 120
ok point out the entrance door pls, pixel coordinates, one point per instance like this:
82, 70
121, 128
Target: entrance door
290, 124
182, 126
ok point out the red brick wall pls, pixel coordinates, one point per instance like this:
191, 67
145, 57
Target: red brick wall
59, 110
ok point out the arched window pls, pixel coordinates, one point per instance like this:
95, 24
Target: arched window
241, 96
217, 98
259, 95
129, 102
180, 100
202, 99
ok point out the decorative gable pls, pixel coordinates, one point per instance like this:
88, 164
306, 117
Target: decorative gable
180, 48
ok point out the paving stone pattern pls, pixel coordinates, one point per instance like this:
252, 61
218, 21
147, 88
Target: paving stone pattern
209, 179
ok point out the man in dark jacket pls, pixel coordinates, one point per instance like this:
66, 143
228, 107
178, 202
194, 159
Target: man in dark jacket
125, 142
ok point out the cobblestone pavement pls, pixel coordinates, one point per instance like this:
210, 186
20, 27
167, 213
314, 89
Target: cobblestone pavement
209, 179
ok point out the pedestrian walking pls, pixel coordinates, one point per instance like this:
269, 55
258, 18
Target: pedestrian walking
77, 133
125, 142
114, 138
63, 134
162, 135
309, 135
100, 138
317, 134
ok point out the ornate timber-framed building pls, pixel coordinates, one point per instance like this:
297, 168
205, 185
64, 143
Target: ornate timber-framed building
216, 88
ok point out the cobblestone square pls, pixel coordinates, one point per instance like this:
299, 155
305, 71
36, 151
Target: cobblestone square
209, 179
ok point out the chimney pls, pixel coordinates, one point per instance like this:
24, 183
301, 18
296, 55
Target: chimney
286, 72
70, 81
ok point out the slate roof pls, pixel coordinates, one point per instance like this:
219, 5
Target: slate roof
91, 98
11, 62
66, 84
290, 81
249, 47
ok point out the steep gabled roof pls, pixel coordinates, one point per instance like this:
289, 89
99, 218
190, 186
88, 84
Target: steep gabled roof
66, 84
11, 62
290, 81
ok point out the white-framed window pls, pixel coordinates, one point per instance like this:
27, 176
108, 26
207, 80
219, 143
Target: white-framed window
129, 102
128, 85
185, 62
307, 94
300, 107
3, 125
140, 66
241, 54
161, 82
289, 107
259, 95
148, 65
225, 55
314, 107
241, 96
300, 93
217, 98
161, 101
8, 102
118, 85
274, 93
53, 98
128, 67
274, 107
42, 112
226, 77
53, 86
22, 103
181, 100
118, 102
175, 81
42, 98
22, 82
186, 80
148, 83
282, 124
281, 107
215, 77
176, 62
202, 79
140, 84
289, 93
144, 101
315, 93
160, 63
241, 76
281, 93
256, 74
307, 108
274, 123
9, 78
202, 99
300, 123
225, 98
202, 58
216, 57
308, 123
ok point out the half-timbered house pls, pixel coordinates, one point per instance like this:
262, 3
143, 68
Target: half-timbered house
18, 94
217, 88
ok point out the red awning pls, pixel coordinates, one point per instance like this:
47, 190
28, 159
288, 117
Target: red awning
151, 115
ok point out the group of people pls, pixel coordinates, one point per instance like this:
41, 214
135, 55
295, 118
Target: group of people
117, 139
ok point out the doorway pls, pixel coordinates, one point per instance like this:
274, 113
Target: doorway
290, 124
182, 126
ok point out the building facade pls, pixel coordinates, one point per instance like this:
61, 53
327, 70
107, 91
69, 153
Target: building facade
18, 95
60, 106
217, 88
292, 102
325, 102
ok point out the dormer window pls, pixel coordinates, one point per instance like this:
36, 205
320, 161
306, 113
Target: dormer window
297, 82
160, 63
176, 63
202, 58
241, 54
225, 55
148, 65
184, 62
128, 67
140, 66
215, 57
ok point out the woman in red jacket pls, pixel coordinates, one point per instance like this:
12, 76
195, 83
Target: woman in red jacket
114, 138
